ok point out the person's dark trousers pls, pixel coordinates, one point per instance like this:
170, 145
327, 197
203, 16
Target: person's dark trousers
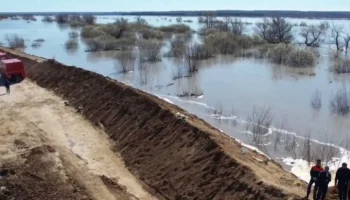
8, 90
322, 192
342, 191
309, 188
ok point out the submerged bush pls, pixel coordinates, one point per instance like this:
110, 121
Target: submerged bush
71, 44
76, 23
150, 50
203, 51
102, 43
341, 65
48, 19
148, 33
111, 29
73, 34
15, 41
301, 58
278, 54
340, 102
177, 47
228, 43
126, 61
223, 42
91, 32
176, 28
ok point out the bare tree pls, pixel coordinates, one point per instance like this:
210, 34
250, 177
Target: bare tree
326, 152
278, 134
258, 124
190, 58
276, 30
336, 35
179, 19
89, 19
311, 35
306, 151
126, 61
15, 41
238, 27
316, 100
346, 41
226, 23
208, 18
290, 144
62, 18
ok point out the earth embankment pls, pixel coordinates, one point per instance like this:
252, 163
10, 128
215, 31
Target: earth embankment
175, 154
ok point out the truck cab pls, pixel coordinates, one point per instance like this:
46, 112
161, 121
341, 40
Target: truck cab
3, 56
13, 69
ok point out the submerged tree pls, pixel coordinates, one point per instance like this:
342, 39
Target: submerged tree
125, 61
311, 35
208, 18
62, 18
316, 100
258, 124
89, 19
336, 35
191, 58
275, 30
238, 27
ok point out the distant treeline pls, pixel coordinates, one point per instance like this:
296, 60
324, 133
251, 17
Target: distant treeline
222, 13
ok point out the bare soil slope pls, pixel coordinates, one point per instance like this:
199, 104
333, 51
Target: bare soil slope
175, 158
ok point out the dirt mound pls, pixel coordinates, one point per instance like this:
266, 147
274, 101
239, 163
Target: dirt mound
40, 177
175, 158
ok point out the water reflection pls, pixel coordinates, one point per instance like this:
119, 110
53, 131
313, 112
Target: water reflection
101, 55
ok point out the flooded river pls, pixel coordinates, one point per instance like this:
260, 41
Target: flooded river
227, 84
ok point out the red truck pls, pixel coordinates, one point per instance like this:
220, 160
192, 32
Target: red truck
13, 69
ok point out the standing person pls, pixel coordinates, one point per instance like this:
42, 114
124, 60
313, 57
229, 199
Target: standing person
341, 181
314, 172
323, 180
5, 81
7, 85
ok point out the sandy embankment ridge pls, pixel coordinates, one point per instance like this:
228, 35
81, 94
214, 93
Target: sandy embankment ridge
168, 157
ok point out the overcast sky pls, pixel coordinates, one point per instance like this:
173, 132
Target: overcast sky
166, 5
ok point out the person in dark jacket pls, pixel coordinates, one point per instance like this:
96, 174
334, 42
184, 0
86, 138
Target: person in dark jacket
7, 85
342, 180
5, 82
314, 172
323, 180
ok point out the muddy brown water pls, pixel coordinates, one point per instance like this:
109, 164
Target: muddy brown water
234, 85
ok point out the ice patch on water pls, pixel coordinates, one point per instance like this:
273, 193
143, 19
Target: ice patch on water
188, 101
246, 145
165, 99
221, 117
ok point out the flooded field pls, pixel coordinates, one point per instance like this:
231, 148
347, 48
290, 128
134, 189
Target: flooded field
225, 89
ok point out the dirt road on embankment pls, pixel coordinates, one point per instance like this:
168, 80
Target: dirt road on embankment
51, 152
111, 141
